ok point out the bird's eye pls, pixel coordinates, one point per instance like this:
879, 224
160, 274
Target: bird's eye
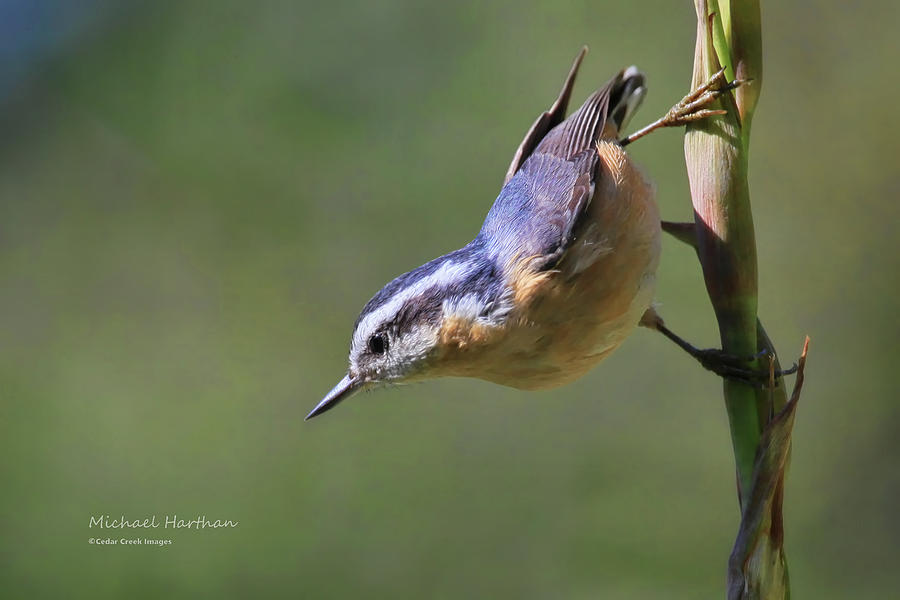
378, 343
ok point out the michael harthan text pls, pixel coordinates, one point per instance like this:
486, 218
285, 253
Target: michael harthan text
169, 522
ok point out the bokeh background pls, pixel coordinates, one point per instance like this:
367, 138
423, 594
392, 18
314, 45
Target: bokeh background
196, 198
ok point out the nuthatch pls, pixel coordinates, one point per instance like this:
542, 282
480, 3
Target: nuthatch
562, 271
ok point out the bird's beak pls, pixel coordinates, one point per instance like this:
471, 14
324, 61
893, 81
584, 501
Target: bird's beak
346, 388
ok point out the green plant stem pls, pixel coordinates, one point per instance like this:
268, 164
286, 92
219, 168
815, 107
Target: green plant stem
728, 34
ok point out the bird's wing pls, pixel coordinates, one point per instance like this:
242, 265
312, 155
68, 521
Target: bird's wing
547, 120
539, 207
533, 217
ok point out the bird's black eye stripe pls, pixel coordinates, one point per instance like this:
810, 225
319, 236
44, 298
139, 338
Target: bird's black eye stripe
378, 343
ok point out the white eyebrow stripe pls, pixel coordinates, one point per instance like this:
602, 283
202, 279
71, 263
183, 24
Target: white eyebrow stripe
447, 273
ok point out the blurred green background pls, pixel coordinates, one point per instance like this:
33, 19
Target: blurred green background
197, 198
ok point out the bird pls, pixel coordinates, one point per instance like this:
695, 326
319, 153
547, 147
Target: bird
561, 272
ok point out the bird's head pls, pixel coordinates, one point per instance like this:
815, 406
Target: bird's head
409, 329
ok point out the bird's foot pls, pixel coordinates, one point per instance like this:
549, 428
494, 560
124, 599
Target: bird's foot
692, 107
734, 367
720, 362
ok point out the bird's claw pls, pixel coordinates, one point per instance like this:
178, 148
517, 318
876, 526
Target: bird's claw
734, 367
693, 107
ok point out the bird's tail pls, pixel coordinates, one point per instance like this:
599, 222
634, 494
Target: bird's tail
603, 115
626, 97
